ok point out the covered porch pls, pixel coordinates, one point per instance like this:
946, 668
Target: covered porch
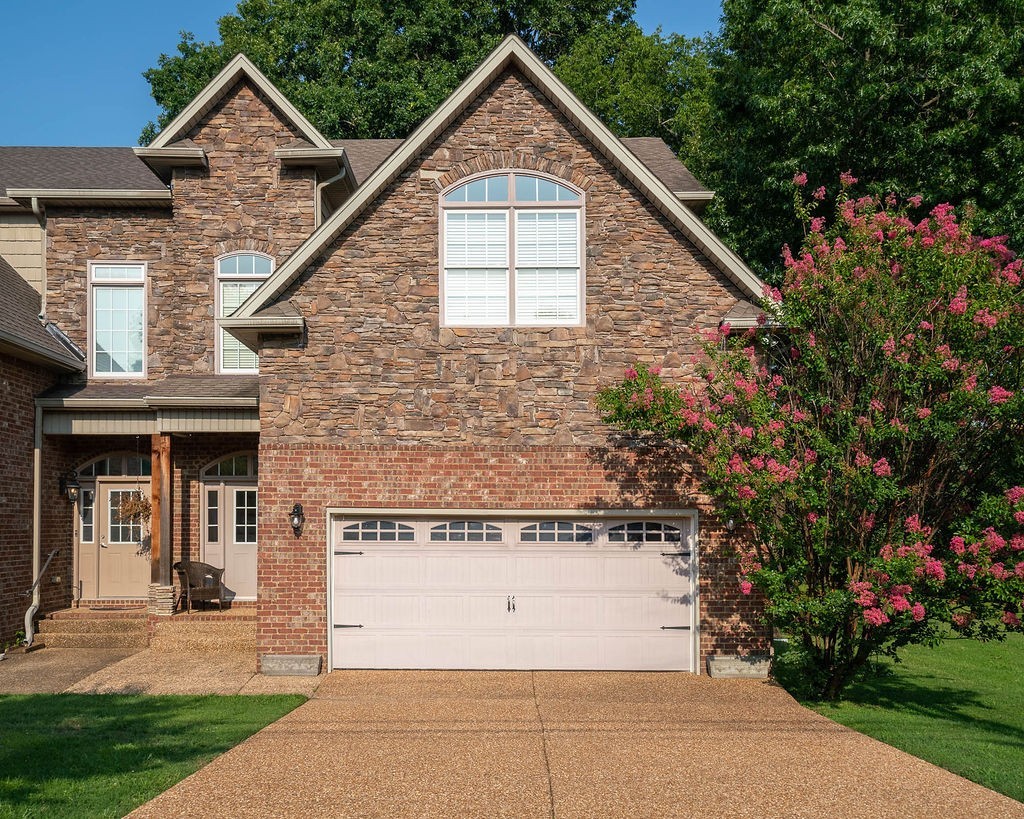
151, 473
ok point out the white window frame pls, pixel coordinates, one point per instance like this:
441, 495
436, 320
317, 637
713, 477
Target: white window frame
219, 279
95, 283
512, 207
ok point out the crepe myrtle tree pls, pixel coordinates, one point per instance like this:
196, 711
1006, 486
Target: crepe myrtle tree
868, 436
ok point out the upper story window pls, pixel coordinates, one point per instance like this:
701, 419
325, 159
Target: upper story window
117, 344
238, 276
512, 245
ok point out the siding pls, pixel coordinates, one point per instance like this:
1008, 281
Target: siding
21, 243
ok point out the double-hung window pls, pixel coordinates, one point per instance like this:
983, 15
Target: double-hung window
117, 347
238, 276
512, 246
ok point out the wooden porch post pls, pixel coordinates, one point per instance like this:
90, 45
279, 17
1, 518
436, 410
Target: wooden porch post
160, 522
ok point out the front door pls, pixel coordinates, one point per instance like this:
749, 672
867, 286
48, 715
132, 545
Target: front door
230, 535
123, 560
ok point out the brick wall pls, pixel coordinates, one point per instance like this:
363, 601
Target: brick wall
293, 570
245, 200
19, 384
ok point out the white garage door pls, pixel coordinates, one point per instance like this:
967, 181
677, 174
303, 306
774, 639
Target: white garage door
533, 594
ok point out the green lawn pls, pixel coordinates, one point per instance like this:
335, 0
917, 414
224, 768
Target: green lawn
103, 755
959, 706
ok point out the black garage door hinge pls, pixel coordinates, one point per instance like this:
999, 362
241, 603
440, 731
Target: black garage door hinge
348, 625
337, 554
675, 554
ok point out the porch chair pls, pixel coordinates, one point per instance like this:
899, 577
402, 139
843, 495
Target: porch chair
199, 582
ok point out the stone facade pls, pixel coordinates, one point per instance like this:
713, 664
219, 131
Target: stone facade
383, 407
245, 200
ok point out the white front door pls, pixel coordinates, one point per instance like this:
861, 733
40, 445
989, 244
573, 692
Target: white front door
230, 535
513, 595
123, 557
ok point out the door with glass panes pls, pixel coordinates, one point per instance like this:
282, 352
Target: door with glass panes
123, 566
230, 534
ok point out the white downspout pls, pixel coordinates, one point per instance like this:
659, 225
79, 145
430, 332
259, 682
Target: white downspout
37, 511
318, 203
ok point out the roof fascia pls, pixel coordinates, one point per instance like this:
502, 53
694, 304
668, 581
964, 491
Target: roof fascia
89, 195
239, 66
38, 354
511, 49
162, 161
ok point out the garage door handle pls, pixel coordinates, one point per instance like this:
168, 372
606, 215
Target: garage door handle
339, 554
675, 628
348, 625
675, 554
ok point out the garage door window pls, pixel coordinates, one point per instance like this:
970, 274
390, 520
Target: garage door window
557, 531
378, 531
645, 531
465, 531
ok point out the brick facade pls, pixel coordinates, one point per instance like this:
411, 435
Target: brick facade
20, 382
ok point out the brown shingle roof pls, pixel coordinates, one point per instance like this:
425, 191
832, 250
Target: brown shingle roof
366, 155
21, 332
75, 168
664, 164
209, 387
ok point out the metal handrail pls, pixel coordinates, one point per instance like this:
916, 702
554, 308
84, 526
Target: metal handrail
42, 571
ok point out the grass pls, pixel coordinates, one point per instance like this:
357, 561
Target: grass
959, 705
103, 755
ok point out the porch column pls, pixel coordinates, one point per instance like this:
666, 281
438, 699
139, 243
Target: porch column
160, 522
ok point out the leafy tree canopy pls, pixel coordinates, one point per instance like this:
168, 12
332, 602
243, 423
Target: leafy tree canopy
917, 96
367, 68
869, 444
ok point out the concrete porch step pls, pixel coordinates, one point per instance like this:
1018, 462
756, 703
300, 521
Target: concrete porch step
89, 628
83, 625
185, 635
125, 613
108, 639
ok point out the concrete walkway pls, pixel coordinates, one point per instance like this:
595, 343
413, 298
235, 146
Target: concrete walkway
565, 745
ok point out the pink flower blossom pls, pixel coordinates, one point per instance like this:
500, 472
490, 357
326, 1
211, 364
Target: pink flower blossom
923, 412
746, 586
882, 468
889, 347
812, 518
899, 603
999, 395
913, 524
1015, 494
934, 569
817, 223
914, 201
958, 306
861, 460
819, 194
1019, 517
631, 373
800, 179
846, 179
924, 325
917, 612
876, 405
993, 540
968, 570
1011, 619
745, 493
957, 545
655, 370
875, 617
811, 340
986, 318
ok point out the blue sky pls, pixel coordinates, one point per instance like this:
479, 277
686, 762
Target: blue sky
73, 68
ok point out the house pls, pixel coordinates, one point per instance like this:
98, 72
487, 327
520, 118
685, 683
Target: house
359, 375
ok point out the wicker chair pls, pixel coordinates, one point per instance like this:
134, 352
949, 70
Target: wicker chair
200, 582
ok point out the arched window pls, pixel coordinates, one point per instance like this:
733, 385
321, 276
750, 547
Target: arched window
238, 276
116, 464
512, 246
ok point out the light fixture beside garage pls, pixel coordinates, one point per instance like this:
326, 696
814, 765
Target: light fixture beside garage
730, 525
297, 519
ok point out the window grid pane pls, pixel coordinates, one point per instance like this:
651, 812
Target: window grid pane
123, 529
212, 516
645, 532
233, 354
465, 531
378, 531
245, 516
118, 320
88, 506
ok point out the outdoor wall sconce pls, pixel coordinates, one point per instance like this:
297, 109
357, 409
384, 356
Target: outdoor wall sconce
70, 486
297, 519
730, 525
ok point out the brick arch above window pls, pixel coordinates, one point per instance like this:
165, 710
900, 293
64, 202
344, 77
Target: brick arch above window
499, 161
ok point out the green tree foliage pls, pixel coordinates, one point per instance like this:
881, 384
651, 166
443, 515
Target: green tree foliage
917, 96
645, 85
868, 448
368, 68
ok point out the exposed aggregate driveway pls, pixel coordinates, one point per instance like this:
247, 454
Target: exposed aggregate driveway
549, 744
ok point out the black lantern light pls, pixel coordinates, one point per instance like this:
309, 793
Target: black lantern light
70, 486
730, 525
297, 519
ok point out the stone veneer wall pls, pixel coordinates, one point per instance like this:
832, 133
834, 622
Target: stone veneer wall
292, 604
244, 201
382, 407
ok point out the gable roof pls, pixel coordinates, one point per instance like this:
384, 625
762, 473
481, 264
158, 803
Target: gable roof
240, 66
512, 52
21, 333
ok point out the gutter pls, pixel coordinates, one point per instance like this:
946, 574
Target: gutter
318, 200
